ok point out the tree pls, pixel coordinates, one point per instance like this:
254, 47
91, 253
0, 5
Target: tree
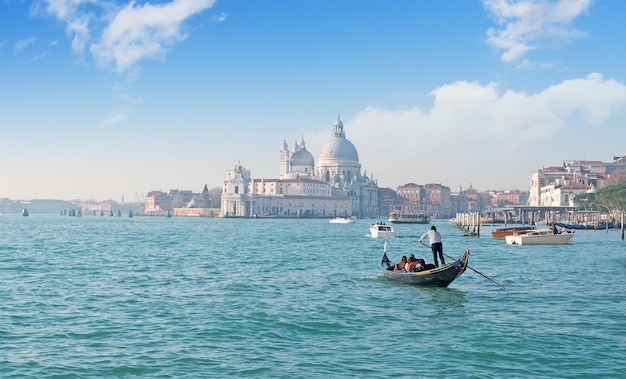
611, 198
216, 197
617, 177
585, 201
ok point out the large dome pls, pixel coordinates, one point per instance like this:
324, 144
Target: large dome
338, 148
302, 158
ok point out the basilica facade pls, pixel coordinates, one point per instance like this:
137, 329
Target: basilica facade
335, 187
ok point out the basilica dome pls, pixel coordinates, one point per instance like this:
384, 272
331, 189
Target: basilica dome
302, 158
338, 147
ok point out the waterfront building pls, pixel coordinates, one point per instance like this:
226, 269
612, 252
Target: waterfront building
157, 201
562, 195
573, 173
335, 188
179, 203
506, 198
432, 199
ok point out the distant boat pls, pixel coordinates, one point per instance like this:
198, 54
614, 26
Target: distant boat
24, 212
540, 237
343, 220
381, 230
400, 217
509, 231
589, 225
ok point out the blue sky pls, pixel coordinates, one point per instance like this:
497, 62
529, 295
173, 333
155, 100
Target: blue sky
110, 99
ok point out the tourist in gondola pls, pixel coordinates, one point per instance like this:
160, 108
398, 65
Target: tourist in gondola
436, 246
413, 265
401, 266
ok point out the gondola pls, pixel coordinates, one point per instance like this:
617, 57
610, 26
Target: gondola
440, 276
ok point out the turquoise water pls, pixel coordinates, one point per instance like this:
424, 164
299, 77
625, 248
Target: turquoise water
195, 297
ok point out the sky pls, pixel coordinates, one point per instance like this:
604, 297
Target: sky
109, 100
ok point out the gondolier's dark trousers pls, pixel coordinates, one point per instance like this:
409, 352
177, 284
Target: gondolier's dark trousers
437, 249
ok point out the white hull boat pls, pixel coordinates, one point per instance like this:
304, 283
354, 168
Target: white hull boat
381, 230
342, 220
540, 237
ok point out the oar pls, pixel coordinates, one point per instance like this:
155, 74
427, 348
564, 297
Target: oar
470, 267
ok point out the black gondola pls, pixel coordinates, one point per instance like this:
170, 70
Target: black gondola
440, 276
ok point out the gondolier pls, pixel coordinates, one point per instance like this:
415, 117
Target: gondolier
435, 244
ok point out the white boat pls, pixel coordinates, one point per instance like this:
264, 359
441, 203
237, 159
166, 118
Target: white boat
343, 220
400, 217
539, 237
381, 230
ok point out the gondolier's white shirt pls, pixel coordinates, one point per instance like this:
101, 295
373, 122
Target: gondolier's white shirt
432, 235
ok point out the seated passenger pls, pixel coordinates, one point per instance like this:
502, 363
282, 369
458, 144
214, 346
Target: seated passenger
554, 229
401, 266
411, 264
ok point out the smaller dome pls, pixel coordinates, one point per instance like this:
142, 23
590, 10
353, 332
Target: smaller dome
302, 158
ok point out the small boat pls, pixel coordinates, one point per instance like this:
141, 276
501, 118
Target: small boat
589, 225
343, 220
540, 237
381, 230
440, 276
401, 217
509, 231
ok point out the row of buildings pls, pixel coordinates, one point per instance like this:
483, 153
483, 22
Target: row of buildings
338, 187
558, 185
334, 187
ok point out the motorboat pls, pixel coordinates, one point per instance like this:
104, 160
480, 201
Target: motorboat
540, 237
509, 231
343, 220
381, 230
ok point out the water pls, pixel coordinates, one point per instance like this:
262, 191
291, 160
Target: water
195, 297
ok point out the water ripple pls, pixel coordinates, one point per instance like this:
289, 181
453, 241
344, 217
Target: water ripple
155, 297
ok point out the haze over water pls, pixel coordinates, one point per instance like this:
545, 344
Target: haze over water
197, 297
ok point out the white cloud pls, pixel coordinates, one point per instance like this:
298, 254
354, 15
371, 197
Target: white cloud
116, 118
489, 137
124, 36
220, 18
75, 15
522, 24
23, 44
138, 32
